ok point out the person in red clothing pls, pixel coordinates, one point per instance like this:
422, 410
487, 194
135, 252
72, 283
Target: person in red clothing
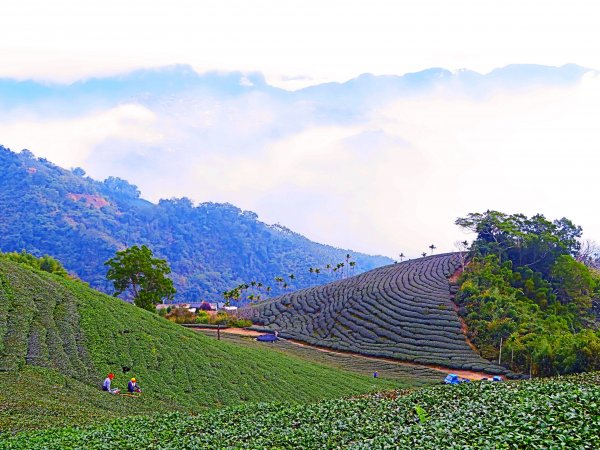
106, 385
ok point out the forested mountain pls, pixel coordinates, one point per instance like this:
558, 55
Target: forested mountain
211, 247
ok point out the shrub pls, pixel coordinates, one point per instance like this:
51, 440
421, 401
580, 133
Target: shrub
180, 315
202, 317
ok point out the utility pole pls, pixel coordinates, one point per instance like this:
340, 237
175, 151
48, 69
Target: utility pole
530, 366
500, 355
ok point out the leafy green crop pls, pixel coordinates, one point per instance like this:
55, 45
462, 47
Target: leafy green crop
62, 325
538, 414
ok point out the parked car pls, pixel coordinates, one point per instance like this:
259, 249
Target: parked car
451, 379
455, 379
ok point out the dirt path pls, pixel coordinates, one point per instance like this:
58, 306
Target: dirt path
468, 374
242, 332
238, 331
463, 325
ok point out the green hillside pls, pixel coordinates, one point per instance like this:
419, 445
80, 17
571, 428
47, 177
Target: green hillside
537, 414
77, 335
210, 247
403, 311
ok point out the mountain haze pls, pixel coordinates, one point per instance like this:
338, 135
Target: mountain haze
336, 162
211, 247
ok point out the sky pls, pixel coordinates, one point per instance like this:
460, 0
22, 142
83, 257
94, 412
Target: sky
386, 174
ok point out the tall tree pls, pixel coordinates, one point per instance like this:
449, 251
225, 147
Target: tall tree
530, 242
135, 270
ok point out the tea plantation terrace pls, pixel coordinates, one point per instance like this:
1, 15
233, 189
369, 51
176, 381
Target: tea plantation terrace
404, 311
59, 339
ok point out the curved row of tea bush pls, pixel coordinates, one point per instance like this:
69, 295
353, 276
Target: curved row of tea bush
534, 414
402, 311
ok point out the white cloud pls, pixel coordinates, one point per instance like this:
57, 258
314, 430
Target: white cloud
393, 180
71, 142
321, 40
421, 163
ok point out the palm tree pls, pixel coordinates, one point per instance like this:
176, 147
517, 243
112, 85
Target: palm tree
432, 247
423, 254
401, 256
352, 265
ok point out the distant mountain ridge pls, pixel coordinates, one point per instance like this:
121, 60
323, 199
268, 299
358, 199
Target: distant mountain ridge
45, 209
183, 77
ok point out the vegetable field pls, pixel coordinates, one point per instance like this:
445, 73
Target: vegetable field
537, 414
403, 311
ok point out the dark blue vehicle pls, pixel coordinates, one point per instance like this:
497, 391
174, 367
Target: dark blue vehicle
451, 379
454, 379
267, 338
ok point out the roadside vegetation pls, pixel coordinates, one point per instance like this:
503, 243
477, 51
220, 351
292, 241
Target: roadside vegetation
185, 316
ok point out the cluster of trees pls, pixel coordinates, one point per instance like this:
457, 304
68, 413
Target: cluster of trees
249, 292
253, 291
210, 247
45, 263
342, 269
526, 298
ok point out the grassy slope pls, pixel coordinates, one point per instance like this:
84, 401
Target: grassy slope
60, 324
37, 397
541, 413
407, 374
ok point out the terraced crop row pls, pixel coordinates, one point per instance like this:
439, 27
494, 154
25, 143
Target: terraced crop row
61, 330
408, 374
559, 413
402, 311
39, 325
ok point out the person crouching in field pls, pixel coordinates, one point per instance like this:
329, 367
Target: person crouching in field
106, 384
132, 386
